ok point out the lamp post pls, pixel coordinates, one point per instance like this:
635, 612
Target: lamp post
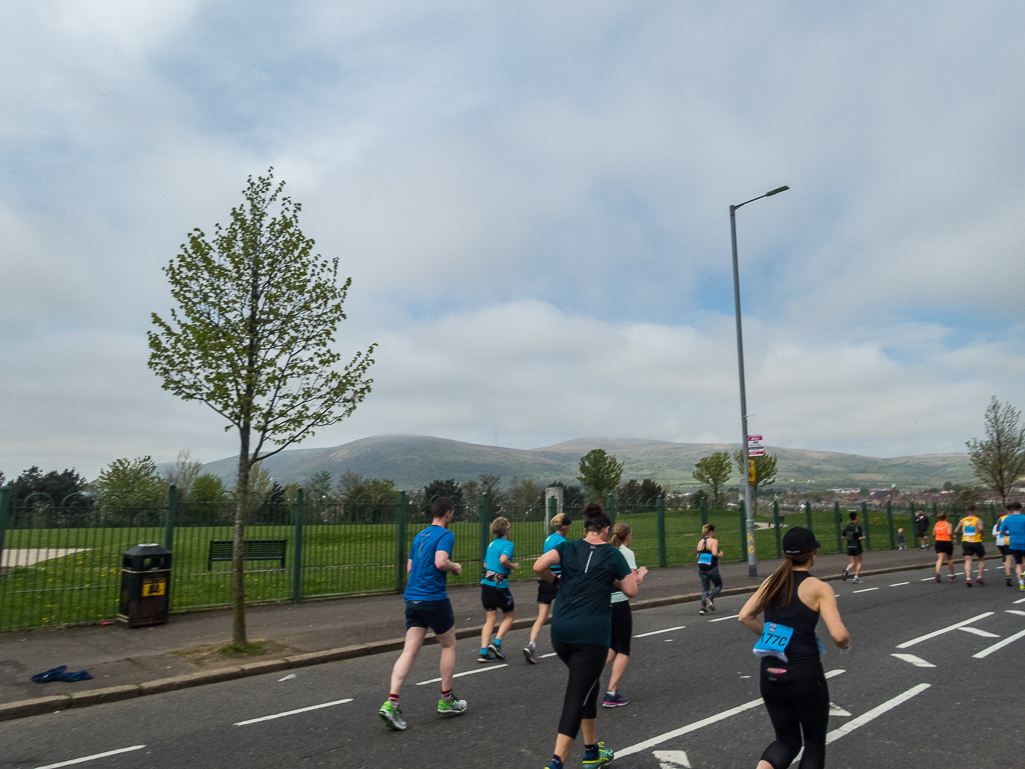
752, 561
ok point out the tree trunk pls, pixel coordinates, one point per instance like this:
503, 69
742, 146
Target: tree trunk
238, 586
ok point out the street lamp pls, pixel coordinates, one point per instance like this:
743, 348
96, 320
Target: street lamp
752, 562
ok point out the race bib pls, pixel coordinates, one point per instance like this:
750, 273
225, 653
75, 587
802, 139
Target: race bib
705, 558
773, 641
969, 531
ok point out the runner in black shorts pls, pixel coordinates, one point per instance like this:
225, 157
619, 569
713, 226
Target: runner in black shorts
494, 590
547, 591
854, 536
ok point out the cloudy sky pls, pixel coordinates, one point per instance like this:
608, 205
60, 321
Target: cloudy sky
532, 199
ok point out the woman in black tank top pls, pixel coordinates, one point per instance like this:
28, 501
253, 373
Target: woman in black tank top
793, 683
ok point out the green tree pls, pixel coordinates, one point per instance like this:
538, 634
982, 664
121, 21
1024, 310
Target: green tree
252, 335
765, 473
49, 488
183, 473
714, 471
600, 473
131, 490
999, 458
208, 489
525, 499
320, 485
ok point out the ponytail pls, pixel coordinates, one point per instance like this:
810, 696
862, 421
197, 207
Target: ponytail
619, 534
779, 587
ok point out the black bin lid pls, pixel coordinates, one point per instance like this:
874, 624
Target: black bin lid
147, 550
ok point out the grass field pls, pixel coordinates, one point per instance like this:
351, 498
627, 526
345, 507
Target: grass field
337, 559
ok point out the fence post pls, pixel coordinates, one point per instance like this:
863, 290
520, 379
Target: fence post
297, 558
400, 540
837, 518
868, 534
660, 517
889, 521
807, 516
610, 508
5, 506
485, 524
704, 511
172, 510
775, 523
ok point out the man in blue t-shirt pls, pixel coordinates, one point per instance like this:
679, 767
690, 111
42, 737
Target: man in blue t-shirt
427, 606
1014, 527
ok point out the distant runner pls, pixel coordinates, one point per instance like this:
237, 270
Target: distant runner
1001, 543
494, 590
970, 528
427, 606
708, 553
854, 536
922, 528
943, 533
547, 591
1014, 527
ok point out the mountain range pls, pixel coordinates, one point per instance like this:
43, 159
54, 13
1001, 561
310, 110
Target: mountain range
412, 461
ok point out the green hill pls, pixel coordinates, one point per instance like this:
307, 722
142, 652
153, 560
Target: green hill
412, 461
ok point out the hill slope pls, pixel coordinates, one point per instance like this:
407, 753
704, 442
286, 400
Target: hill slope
412, 461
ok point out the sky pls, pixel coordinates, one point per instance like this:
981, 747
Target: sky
532, 200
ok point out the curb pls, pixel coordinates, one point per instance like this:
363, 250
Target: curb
54, 703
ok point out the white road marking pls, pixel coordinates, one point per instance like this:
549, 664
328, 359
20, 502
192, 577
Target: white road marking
836, 710
875, 712
293, 712
1020, 600
93, 758
834, 673
898, 584
656, 632
999, 645
1015, 611
671, 759
918, 662
941, 631
865, 590
720, 619
927, 579
976, 631
641, 746
465, 673
550, 654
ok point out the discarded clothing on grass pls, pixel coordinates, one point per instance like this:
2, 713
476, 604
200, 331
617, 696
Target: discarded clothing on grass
60, 674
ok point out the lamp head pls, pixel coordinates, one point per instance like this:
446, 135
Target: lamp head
776, 191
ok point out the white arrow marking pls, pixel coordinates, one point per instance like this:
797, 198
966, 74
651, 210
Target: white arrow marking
836, 710
93, 757
1015, 611
941, 631
671, 759
918, 662
976, 631
999, 645
875, 712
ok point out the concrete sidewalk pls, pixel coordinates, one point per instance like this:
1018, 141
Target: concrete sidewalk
128, 663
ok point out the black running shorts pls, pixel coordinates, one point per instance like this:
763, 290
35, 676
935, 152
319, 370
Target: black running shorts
974, 549
493, 598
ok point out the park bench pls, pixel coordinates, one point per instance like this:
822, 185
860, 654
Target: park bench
252, 550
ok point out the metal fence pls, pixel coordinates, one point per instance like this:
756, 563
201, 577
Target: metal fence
60, 562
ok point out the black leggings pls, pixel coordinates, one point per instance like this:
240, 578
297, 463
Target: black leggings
585, 663
795, 706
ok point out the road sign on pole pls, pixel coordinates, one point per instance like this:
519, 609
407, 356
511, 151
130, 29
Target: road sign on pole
754, 446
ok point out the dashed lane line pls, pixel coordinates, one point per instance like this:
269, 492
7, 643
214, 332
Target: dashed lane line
722, 619
941, 631
656, 632
1020, 600
918, 662
293, 712
93, 757
465, 673
865, 590
875, 712
976, 631
1015, 611
898, 584
999, 645
666, 736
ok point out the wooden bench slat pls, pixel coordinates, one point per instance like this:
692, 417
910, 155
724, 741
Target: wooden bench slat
252, 550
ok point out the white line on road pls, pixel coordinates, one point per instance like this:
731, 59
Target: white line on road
898, 584
865, 590
720, 619
656, 632
918, 662
875, 712
834, 673
292, 712
1020, 600
641, 746
1015, 611
93, 758
927, 579
550, 654
935, 633
465, 673
999, 645
976, 631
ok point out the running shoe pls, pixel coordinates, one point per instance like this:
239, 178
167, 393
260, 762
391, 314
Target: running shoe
454, 708
1021, 585
600, 756
968, 583
497, 651
554, 764
1009, 582
486, 656
392, 716
702, 611
938, 577
528, 653
857, 580
711, 604
614, 700
843, 577
980, 581
951, 577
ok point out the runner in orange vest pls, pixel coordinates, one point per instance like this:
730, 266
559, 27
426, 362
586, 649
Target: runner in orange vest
942, 534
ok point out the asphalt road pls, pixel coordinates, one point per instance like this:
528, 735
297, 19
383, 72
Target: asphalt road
955, 699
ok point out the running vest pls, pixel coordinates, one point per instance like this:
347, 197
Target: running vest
941, 531
1000, 536
802, 645
706, 558
853, 534
971, 531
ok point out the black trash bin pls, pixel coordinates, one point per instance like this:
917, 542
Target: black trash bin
145, 586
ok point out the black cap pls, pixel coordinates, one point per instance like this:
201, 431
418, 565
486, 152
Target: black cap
798, 541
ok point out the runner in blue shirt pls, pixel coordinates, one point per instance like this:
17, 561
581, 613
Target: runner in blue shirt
1014, 527
494, 590
427, 606
547, 591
